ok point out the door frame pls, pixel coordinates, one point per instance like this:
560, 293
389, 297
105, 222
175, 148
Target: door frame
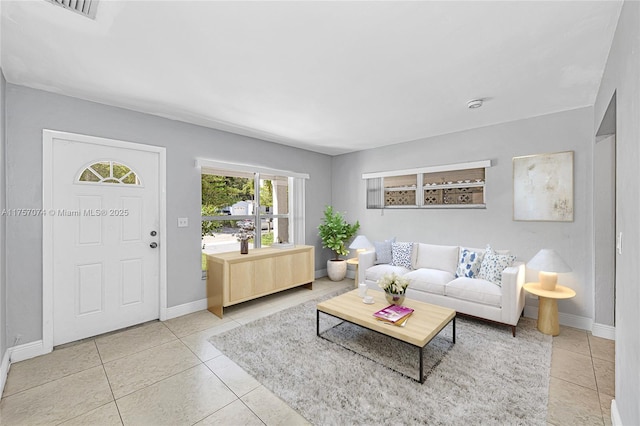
48, 137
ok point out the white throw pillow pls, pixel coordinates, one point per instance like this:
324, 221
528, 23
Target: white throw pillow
493, 264
444, 258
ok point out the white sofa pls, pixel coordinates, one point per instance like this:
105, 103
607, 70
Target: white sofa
433, 280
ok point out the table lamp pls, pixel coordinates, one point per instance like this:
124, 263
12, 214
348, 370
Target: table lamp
548, 263
360, 244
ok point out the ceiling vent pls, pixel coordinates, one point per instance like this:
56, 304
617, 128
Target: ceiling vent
87, 8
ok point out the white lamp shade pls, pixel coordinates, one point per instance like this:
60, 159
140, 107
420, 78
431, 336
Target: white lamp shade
548, 260
360, 242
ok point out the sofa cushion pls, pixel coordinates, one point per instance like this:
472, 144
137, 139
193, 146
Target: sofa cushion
429, 280
444, 258
376, 272
469, 264
401, 254
383, 250
493, 264
475, 290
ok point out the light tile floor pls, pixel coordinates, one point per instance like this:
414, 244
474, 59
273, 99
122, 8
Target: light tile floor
168, 373
582, 379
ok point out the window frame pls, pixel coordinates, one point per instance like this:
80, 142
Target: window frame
376, 189
295, 195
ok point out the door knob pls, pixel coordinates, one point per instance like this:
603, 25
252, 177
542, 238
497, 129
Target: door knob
153, 245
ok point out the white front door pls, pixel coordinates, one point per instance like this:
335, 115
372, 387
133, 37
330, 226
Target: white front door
105, 217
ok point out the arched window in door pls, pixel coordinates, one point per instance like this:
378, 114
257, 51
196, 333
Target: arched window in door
109, 172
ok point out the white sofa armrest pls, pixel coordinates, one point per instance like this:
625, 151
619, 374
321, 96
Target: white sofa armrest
366, 260
512, 294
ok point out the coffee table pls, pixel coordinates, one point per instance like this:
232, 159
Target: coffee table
423, 325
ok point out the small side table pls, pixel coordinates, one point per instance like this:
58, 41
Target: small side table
548, 306
354, 261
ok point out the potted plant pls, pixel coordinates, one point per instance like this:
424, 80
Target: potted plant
335, 232
246, 232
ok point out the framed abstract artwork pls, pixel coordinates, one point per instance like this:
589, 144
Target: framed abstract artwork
543, 187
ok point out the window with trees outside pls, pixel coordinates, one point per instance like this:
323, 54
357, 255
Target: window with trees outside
271, 203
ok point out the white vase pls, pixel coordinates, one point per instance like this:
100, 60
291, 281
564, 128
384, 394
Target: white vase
336, 269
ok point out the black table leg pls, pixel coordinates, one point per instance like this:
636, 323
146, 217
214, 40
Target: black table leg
421, 366
420, 349
454, 329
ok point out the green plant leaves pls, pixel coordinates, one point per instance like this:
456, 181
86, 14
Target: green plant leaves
335, 232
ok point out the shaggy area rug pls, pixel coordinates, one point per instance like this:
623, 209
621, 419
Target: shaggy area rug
487, 377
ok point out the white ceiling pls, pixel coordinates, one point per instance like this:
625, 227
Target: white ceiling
331, 77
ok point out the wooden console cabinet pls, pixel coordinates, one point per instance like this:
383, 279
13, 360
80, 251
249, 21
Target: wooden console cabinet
234, 278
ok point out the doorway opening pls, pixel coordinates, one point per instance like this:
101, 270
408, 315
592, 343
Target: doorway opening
605, 219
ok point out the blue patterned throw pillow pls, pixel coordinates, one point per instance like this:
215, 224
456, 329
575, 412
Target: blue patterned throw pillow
469, 264
493, 264
401, 254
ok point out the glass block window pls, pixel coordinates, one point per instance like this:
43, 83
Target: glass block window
400, 190
109, 172
459, 185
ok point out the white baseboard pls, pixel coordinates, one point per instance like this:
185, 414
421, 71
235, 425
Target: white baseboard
570, 320
185, 308
199, 305
615, 414
4, 369
19, 353
575, 321
28, 350
604, 331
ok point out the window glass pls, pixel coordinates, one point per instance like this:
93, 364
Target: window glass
274, 209
89, 176
229, 204
109, 172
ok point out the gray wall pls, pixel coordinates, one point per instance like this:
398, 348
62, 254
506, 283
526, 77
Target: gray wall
570, 130
30, 111
3, 281
622, 77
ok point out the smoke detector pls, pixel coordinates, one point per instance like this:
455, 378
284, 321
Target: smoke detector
474, 103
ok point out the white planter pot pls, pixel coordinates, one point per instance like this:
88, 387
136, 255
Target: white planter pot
336, 269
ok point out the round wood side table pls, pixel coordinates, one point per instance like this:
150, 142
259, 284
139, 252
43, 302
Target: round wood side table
548, 306
354, 261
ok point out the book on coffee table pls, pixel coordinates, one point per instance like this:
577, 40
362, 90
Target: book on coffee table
393, 313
